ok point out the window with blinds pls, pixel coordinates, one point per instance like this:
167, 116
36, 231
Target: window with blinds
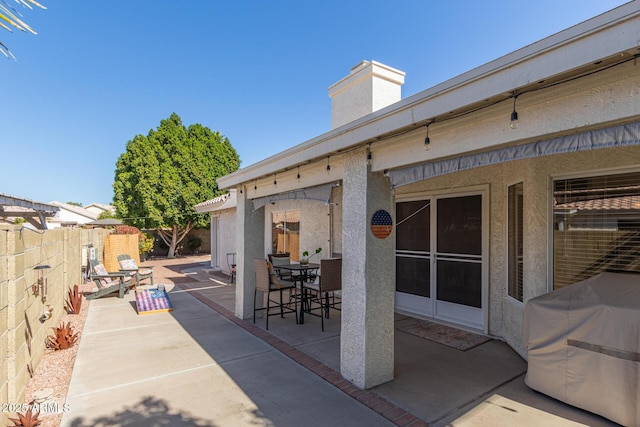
596, 226
515, 248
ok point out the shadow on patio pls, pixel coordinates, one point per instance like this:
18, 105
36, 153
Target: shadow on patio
434, 384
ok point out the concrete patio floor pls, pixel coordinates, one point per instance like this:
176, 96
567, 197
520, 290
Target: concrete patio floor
199, 365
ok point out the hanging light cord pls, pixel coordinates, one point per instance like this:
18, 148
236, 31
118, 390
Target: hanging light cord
482, 107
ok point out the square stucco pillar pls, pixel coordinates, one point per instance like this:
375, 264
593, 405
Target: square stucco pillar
367, 336
249, 245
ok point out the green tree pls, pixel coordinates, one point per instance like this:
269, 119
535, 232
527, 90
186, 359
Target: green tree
162, 176
106, 215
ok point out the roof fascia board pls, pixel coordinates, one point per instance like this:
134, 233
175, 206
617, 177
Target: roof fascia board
612, 32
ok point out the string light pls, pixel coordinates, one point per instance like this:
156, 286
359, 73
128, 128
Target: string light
427, 141
514, 113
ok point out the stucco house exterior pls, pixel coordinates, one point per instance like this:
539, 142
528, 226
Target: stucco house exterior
489, 208
222, 217
73, 215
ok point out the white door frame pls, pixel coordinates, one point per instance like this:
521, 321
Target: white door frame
429, 306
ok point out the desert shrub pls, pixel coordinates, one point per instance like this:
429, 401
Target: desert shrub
194, 244
146, 243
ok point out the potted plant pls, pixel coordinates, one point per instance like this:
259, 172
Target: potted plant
304, 260
145, 245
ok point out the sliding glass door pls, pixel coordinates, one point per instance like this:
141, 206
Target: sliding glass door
440, 258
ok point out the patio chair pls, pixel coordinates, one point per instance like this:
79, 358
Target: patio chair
280, 259
267, 281
128, 265
323, 289
108, 283
231, 262
284, 259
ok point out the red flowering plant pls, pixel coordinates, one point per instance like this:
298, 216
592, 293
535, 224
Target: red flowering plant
126, 229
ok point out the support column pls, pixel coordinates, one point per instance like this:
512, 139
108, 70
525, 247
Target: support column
249, 245
367, 336
213, 236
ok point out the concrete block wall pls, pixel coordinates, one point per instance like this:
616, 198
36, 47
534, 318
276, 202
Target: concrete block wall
4, 303
23, 330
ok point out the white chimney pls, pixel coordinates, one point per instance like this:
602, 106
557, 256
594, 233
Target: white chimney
369, 87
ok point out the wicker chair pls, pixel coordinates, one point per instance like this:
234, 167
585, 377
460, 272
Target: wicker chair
280, 259
322, 291
267, 281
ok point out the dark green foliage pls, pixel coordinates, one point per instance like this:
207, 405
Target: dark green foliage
194, 244
162, 176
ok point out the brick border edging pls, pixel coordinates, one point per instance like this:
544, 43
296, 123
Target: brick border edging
371, 399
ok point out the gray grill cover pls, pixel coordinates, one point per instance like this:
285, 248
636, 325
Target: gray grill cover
583, 345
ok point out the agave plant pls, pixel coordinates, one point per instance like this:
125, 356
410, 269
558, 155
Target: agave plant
74, 300
28, 419
11, 18
63, 337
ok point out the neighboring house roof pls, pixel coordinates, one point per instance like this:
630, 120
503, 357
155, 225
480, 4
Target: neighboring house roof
590, 46
100, 207
74, 213
604, 204
226, 201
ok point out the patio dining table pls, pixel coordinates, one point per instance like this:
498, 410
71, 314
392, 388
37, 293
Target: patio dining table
302, 276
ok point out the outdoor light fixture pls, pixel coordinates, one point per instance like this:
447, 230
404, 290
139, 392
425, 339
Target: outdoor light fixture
514, 113
41, 287
298, 173
427, 141
328, 166
275, 179
369, 159
255, 185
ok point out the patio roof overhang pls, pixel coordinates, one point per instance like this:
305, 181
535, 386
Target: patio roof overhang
596, 44
225, 201
11, 206
320, 193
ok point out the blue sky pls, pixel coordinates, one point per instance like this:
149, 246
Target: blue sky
100, 72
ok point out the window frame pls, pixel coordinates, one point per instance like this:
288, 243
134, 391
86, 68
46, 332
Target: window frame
508, 248
293, 256
550, 213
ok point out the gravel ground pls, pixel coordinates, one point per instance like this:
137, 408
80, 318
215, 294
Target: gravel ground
55, 368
